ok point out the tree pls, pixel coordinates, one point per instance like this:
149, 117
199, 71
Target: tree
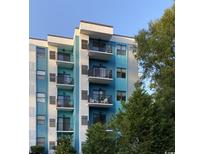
99, 141
147, 121
156, 53
134, 123
64, 145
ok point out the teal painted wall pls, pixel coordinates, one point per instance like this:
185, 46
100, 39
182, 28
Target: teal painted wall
42, 86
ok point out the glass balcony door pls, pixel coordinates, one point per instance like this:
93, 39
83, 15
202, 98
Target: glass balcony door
63, 124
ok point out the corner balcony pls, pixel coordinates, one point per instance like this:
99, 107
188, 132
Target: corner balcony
100, 76
65, 104
100, 50
64, 126
64, 60
100, 101
65, 82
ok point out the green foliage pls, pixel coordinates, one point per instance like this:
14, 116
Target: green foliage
147, 121
134, 124
65, 146
99, 141
37, 149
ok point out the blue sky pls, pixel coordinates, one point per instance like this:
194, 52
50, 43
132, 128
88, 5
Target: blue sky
60, 17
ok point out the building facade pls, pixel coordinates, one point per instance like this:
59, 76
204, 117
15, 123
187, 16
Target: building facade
76, 82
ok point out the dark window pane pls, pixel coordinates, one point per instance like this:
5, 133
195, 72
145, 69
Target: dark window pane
52, 55
99, 117
40, 97
84, 44
51, 145
121, 73
52, 99
85, 69
41, 75
84, 94
41, 53
52, 77
41, 119
40, 141
52, 122
84, 120
121, 96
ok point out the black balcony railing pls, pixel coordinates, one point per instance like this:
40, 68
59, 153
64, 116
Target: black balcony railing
100, 45
100, 72
64, 57
64, 79
99, 99
64, 102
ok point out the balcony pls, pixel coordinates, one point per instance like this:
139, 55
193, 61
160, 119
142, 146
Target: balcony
101, 50
64, 104
100, 101
64, 60
65, 82
100, 76
64, 125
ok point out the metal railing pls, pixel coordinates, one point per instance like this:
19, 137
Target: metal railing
102, 46
100, 72
107, 99
64, 79
64, 102
64, 57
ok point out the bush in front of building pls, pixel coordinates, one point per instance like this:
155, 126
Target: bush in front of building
37, 149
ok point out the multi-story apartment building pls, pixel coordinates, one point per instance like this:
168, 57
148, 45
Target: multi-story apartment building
76, 82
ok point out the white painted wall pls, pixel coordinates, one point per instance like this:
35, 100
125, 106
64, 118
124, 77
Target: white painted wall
132, 70
32, 95
84, 109
52, 91
96, 28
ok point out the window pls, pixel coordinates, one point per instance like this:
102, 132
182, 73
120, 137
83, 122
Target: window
121, 49
121, 95
52, 55
85, 69
41, 97
99, 117
52, 99
84, 44
51, 145
121, 73
52, 77
41, 75
84, 120
84, 94
41, 119
41, 141
52, 122
41, 52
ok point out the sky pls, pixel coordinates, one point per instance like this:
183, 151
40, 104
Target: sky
60, 17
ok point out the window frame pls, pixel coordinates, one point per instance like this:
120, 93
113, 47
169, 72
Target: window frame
41, 121
52, 55
40, 97
84, 44
52, 122
122, 96
52, 77
40, 53
43, 143
52, 98
40, 74
120, 73
121, 50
